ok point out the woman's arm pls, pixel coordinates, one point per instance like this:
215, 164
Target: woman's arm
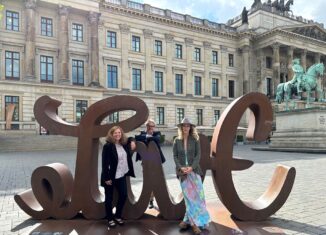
105, 163
196, 160
175, 154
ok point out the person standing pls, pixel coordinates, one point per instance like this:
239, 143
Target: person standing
116, 165
146, 136
186, 153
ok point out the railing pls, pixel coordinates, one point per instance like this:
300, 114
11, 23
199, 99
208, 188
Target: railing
157, 11
196, 21
118, 2
173, 15
135, 5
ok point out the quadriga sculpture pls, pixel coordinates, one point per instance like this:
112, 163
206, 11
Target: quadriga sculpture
56, 193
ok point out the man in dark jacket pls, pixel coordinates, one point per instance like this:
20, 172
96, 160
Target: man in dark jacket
146, 136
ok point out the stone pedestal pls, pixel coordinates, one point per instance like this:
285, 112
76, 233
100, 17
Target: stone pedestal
301, 129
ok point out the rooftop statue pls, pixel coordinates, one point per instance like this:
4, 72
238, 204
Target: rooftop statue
281, 6
301, 82
256, 3
244, 16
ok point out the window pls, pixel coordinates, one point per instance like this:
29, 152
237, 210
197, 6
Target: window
81, 107
178, 51
136, 43
216, 116
112, 76
158, 47
231, 89
136, 79
199, 114
46, 27
158, 81
111, 39
231, 61
160, 115
46, 69
77, 72
269, 87
214, 57
197, 85
269, 62
77, 32
214, 87
12, 65
180, 114
178, 83
197, 54
114, 117
14, 100
12, 20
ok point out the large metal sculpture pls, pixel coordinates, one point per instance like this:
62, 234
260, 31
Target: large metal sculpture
301, 82
55, 193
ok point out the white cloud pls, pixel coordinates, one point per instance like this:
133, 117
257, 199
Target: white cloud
222, 10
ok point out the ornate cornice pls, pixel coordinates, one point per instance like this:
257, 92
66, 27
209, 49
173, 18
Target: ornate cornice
118, 9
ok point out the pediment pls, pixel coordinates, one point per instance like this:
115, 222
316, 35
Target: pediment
309, 30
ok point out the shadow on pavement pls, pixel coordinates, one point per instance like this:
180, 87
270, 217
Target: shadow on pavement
151, 225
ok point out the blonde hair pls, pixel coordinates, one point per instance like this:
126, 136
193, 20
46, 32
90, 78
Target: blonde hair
109, 136
149, 121
192, 132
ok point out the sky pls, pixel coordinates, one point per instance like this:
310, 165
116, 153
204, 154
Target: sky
221, 11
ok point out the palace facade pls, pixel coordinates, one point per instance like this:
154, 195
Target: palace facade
82, 51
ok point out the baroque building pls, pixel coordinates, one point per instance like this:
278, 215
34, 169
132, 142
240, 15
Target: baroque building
82, 51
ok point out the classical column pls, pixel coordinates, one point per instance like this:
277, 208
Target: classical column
206, 81
189, 83
148, 34
63, 41
94, 48
317, 58
125, 45
276, 65
289, 62
245, 61
169, 56
304, 59
224, 63
30, 6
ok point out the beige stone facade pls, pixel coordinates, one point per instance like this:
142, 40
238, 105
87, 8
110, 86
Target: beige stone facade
82, 51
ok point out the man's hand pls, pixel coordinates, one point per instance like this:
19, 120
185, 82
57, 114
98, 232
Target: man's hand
132, 145
108, 182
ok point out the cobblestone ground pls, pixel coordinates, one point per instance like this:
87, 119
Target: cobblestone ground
303, 213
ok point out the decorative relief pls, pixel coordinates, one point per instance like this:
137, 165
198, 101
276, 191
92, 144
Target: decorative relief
124, 28
147, 33
63, 10
169, 37
311, 32
189, 41
94, 17
207, 45
30, 4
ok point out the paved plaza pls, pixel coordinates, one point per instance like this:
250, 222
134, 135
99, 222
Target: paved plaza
303, 213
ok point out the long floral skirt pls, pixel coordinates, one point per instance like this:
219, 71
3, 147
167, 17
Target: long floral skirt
193, 193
